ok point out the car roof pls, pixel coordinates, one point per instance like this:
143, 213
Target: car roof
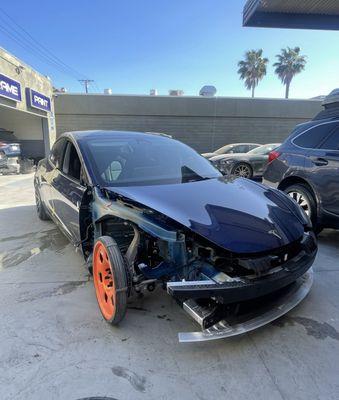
271, 144
239, 144
308, 124
82, 136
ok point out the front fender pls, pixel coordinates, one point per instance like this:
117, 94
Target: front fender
104, 207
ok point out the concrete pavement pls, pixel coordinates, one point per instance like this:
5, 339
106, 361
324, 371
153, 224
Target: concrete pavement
55, 345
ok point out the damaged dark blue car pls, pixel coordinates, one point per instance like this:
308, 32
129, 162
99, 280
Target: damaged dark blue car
147, 210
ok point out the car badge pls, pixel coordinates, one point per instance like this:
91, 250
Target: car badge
275, 233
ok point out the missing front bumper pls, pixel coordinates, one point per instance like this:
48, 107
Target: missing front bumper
234, 291
292, 296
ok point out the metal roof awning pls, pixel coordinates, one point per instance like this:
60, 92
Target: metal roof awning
300, 14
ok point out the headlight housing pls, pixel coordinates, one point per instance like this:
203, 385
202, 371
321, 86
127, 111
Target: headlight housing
225, 162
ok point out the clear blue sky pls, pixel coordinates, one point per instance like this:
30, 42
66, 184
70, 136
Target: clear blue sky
134, 45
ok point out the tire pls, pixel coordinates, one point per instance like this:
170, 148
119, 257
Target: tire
40, 207
3, 160
305, 199
110, 279
243, 170
26, 166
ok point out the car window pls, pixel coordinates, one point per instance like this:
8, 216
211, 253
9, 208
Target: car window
224, 150
71, 165
312, 138
265, 149
243, 148
146, 161
332, 142
57, 152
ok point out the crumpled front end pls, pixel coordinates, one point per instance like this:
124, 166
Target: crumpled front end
262, 289
222, 271
270, 309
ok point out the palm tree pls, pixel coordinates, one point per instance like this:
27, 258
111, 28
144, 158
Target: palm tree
290, 63
252, 69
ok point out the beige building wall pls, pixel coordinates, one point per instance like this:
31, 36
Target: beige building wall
29, 124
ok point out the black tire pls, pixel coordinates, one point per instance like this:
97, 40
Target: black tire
3, 160
310, 207
108, 258
40, 207
244, 167
26, 166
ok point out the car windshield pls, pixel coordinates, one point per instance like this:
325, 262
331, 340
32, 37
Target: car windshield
265, 149
146, 161
7, 136
224, 149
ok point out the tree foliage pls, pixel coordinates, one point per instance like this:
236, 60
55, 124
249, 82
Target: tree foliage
253, 69
290, 63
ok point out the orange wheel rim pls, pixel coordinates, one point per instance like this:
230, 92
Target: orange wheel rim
103, 281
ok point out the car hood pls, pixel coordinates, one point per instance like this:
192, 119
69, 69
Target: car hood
208, 155
232, 156
234, 213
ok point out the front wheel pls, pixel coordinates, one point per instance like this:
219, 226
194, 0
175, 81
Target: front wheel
110, 279
40, 207
3, 160
243, 170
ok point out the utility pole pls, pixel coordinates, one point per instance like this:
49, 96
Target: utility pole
86, 83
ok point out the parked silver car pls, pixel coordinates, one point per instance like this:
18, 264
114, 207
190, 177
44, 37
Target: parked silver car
232, 149
246, 165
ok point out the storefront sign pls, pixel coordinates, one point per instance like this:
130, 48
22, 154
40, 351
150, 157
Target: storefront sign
10, 88
39, 101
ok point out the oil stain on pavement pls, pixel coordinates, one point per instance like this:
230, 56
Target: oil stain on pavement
319, 330
63, 289
98, 398
32, 244
138, 382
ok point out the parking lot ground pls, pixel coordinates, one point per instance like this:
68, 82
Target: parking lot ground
54, 343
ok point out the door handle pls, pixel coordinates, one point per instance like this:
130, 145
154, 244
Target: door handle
320, 162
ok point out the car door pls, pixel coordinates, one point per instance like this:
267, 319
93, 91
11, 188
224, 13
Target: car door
69, 189
259, 161
52, 166
326, 160
321, 146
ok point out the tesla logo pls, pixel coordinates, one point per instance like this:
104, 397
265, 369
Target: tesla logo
275, 233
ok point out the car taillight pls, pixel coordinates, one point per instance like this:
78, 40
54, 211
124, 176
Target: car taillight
273, 155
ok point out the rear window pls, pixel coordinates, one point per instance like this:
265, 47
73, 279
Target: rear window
314, 137
332, 143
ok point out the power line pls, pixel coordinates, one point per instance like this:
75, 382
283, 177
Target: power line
45, 49
32, 45
97, 87
32, 50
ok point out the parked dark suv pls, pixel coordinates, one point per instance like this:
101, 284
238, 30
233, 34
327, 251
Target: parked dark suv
306, 166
